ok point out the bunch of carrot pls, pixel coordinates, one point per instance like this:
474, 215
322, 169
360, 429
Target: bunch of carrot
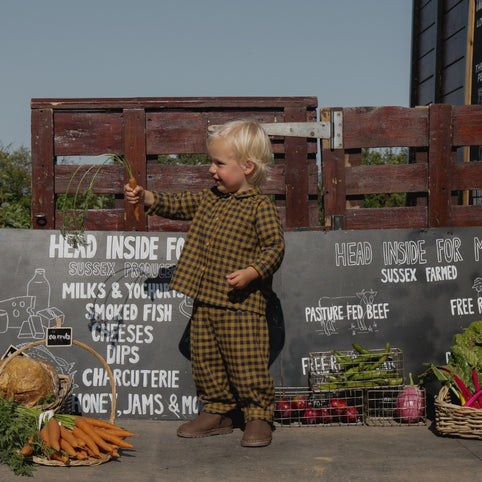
88, 437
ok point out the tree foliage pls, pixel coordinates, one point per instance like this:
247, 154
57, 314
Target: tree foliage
184, 159
15, 187
383, 157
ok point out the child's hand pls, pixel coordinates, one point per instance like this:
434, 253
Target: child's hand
241, 278
134, 195
138, 195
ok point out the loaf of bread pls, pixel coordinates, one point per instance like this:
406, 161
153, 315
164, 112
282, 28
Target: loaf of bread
28, 380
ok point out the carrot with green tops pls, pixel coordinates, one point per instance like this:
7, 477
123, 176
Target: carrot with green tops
81, 454
89, 430
58, 456
27, 450
54, 434
44, 434
67, 435
133, 185
119, 432
113, 439
95, 422
89, 442
67, 448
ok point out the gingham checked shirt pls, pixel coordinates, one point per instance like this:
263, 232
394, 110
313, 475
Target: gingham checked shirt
228, 232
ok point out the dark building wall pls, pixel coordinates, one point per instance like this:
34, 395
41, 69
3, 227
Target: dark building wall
439, 51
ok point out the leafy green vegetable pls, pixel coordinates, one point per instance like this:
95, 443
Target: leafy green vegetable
15, 430
465, 357
18, 424
73, 217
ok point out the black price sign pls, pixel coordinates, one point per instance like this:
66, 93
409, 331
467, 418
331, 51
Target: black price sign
59, 337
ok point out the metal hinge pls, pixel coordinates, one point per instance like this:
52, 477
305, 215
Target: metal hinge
332, 130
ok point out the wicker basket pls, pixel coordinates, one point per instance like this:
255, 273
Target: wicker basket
61, 399
455, 420
63, 402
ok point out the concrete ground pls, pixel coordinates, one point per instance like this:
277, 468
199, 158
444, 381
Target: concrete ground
321, 453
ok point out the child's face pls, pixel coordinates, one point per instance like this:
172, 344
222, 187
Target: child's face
227, 172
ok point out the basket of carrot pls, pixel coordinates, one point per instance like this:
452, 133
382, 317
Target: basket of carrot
31, 434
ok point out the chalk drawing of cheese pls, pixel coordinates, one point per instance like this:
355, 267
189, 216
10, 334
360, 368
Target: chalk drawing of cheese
17, 309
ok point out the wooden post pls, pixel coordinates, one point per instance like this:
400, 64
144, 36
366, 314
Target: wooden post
333, 171
439, 160
43, 160
297, 205
135, 152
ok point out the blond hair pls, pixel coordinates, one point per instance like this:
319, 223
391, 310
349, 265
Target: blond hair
248, 141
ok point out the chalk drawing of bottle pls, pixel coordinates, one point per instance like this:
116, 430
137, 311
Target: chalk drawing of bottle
39, 287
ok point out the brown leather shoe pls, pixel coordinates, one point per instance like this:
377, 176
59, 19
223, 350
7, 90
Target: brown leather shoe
256, 434
206, 424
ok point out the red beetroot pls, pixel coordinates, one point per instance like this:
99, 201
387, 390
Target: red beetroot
338, 406
350, 415
283, 409
325, 415
299, 403
311, 416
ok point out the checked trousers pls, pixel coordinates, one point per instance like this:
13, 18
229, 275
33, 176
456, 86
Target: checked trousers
229, 355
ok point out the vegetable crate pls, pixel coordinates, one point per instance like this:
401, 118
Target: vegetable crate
337, 370
394, 406
303, 407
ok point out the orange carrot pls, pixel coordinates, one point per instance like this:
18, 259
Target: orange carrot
26, 450
67, 448
119, 432
79, 433
67, 435
44, 433
81, 454
60, 457
97, 422
54, 434
113, 439
89, 430
133, 184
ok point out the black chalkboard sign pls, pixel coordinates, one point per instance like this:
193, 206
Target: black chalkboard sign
412, 288
59, 336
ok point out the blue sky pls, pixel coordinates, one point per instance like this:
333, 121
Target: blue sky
344, 52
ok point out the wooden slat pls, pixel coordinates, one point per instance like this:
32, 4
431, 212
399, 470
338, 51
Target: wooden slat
88, 133
108, 180
170, 177
99, 220
386, 218
386, 178
461, 216
384, 127
189, 103
466, 175
467, 125
176, 133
